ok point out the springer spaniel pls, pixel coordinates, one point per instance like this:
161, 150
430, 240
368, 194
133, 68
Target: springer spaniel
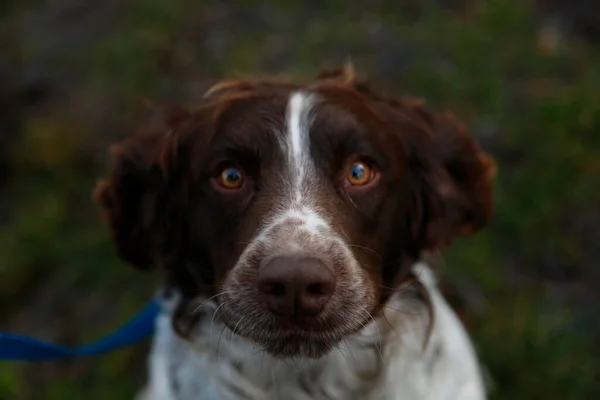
290, 222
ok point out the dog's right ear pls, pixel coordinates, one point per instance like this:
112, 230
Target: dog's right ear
143, 193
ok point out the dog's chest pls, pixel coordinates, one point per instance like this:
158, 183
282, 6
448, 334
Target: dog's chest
238, 371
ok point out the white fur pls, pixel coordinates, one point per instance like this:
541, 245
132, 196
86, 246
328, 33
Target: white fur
297, 203
387, 360
297, 143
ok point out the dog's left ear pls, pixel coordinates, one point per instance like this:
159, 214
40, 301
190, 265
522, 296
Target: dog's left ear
455, 185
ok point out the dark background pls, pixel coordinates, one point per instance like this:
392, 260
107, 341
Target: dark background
524, 75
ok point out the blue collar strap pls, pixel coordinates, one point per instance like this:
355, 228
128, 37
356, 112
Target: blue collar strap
22, 348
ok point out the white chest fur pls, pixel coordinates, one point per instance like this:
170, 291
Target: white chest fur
387, 360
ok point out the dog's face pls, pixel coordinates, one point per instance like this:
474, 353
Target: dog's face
297, 208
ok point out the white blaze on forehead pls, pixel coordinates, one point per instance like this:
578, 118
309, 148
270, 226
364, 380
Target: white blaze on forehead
298, 140
300, 165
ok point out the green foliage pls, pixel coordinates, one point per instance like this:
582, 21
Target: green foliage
539, 105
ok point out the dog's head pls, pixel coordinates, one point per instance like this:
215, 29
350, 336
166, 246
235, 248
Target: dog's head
298, 208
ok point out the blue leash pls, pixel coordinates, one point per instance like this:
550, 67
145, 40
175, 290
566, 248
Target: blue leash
23, 348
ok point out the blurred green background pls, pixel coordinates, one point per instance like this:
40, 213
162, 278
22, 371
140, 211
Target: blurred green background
524, 75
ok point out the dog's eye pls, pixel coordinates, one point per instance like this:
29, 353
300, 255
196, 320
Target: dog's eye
359, 173
231, 178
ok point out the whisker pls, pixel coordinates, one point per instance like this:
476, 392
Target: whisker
219, 341
339, 347
402, 287
212, 321
366, 248
388, 322
402, 311
352, 201
197, 309
349, 351
378, 333
345, 235
363, 325
233, 332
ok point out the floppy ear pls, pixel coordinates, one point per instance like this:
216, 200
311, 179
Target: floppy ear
141, 196
456, 185
451, 178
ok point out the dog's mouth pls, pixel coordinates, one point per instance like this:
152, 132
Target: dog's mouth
292, 341
298, 306
296, 344
297, 347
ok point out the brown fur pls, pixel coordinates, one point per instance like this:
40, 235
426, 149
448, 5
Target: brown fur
436, 182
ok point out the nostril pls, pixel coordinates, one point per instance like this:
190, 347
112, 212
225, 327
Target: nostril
313, 297
275, 289
316, 289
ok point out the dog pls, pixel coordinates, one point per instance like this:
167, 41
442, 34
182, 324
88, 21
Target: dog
292, 224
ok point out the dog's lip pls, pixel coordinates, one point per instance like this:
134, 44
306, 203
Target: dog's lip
290, 338
318, 332
300, 336
294, 335
306, 326
298, 346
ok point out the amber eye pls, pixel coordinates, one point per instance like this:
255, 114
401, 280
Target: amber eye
359, 174
231, 178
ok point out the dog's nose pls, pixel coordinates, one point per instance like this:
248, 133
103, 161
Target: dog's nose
296, 286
